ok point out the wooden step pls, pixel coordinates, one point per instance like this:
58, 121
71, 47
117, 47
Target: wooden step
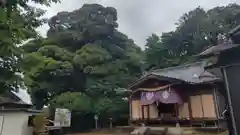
198, 123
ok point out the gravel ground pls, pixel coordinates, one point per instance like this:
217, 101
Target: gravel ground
101, 133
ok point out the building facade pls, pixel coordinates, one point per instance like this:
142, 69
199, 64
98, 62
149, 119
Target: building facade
184, 94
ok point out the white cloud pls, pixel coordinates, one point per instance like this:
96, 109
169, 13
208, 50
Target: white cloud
140, 18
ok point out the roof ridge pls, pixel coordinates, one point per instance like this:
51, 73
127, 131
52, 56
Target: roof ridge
203, 62
193, 73
234, 30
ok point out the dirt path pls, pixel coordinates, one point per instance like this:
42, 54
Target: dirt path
101, 133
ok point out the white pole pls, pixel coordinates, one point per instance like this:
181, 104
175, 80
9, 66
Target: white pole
110, 120
96, 123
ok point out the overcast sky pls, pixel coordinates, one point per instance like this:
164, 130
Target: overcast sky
140, 18
137, 18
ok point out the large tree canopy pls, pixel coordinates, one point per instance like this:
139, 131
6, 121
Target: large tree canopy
83, 53
18, 21
84, 61
196, 30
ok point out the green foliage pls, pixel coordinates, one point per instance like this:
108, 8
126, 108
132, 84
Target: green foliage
81, 62
85, 60
157, 53
83, 104
74, 101
196, 31
85, 57
110, 107
18, 21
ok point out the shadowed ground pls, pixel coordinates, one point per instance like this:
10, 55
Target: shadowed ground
187, 131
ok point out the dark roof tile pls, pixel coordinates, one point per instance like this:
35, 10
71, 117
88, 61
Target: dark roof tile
193, 73
217, 49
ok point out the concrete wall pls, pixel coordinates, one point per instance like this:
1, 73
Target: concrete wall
15, 123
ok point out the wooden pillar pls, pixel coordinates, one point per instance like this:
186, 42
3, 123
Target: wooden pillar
177, 112
201, 99
216, 107
148, 111
130, 110
203, 122
190, 110
142, 108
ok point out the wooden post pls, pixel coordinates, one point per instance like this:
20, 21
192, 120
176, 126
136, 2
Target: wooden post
190, 110
148, 111
142, 108
177, 114
130, 109
216, 107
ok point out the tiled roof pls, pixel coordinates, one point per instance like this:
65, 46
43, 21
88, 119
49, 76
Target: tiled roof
217, 49
222, 47
233, 31
12, 98
7, 101
193, 73
21, 110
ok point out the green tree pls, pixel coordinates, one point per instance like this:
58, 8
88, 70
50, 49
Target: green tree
195, 31
157, 54
83, 53
18, 21
74, 101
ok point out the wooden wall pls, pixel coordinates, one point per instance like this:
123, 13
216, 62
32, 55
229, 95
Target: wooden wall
149, 111
198, 104
184, 111
153, 110
136, 110
202, 105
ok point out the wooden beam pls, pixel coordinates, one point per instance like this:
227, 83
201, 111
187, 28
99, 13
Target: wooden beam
201, 99
190, 109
